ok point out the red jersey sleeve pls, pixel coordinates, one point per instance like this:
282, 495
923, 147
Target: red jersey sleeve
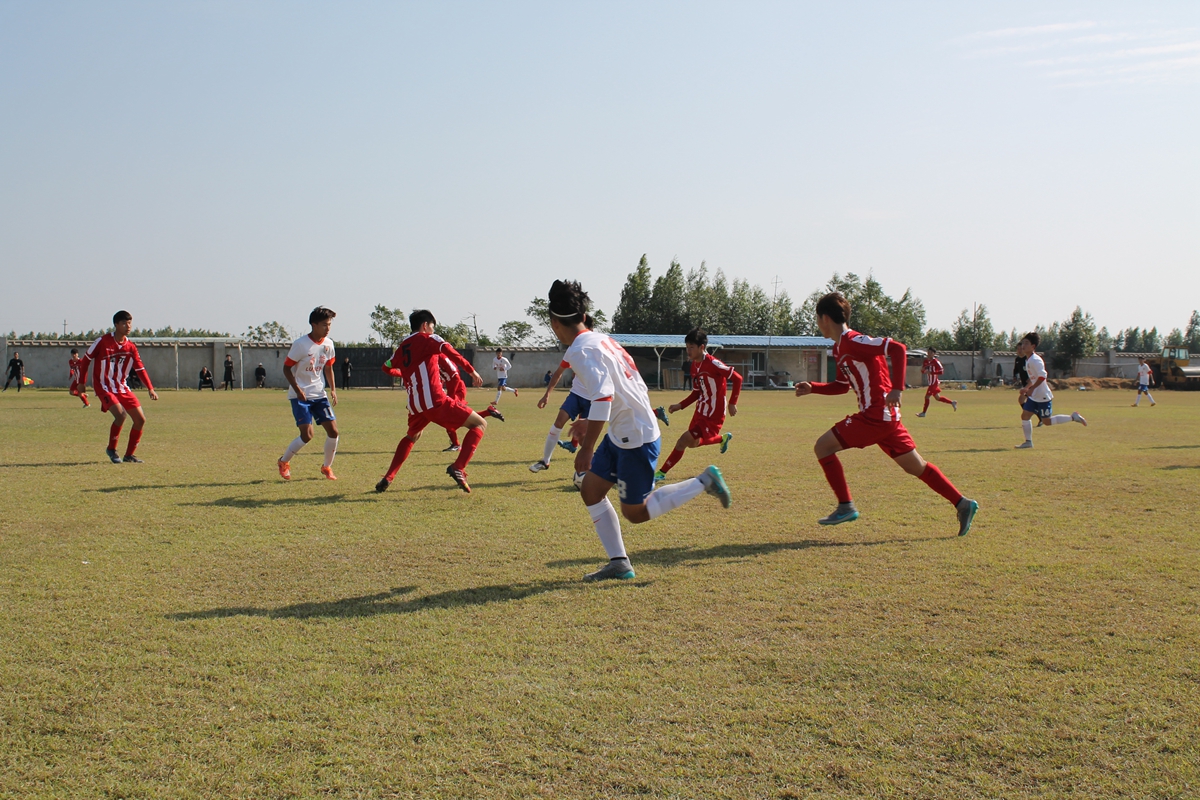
391, 370
736, 390
833, 387
898, 354
140, 368
458, 358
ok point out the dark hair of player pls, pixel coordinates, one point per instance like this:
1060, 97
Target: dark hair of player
834, 306
1033, 338
74, 352
589, 321
499, 351
419, 317
932, 350
569, 303
320, 314
696, 336
121, 316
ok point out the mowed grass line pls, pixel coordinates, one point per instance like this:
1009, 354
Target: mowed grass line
195, 627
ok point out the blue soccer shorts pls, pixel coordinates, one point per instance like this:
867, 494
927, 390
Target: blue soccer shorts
576, 406
631, 470
307, 412
1040, 410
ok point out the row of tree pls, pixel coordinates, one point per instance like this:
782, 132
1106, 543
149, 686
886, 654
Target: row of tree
145, 333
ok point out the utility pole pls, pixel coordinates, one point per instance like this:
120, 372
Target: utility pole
974, 335
474, 325
64, 329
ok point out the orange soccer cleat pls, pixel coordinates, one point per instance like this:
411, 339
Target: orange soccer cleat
285, 470
328, 473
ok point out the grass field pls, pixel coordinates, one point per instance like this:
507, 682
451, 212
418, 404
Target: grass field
193, 627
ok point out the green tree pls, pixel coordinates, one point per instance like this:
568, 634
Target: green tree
390, 325
1192, 333
514, 333
1076, 340
1175, 338
632, 315
667, 312
941, 339
459, 336
268, 333
973, 331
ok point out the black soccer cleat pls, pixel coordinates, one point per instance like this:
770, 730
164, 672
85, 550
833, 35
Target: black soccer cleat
132, 459
383, 485
460, 477
495, 412
113, 457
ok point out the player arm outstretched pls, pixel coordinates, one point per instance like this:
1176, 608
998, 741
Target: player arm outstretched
554, 379
839, 386
458, 358
685, 402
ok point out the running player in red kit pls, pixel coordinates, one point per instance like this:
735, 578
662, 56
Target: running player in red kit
112, 358
78, 381
419, 357
452, 384
862, 366
932, 369
709, 378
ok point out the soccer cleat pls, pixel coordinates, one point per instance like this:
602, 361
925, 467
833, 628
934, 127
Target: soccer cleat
328, 473
954, 405
921, 414
132, 459
845, 512
383, 485
285, 470
113, 457
1077, 417
1153, 403
495, 412
714, 484
660, 476
538, 466
617, 569
451, 449
1026, 445
1133, 405
516, 393
661, 413
725, 437
570, 447
966, 514
460, 477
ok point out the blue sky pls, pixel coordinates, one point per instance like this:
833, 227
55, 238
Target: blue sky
214, 164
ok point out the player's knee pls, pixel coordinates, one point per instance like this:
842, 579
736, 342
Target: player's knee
635, 514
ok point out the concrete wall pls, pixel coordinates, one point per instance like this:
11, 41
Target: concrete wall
46, 361
1111, 364
529, 366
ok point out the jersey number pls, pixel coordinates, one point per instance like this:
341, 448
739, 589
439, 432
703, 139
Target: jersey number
620, 352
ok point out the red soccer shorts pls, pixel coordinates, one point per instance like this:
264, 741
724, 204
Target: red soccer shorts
450, 414
704, 427
78, 388
858, 432
934, 388
124, 399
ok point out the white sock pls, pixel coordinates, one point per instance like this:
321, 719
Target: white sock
1027, 426
498, 393
608, 528
330, 449
1150, 397
1059, 419
551, 443
670, 497
510, 389
292, 449
1139, 399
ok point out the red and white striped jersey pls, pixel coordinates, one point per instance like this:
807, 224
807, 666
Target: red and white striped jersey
112, 362
862, 365
709, 378
933, 370
73, 366
452, 380
419, 360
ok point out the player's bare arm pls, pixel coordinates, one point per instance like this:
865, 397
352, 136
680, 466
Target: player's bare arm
554, 379
291, 379
328, 371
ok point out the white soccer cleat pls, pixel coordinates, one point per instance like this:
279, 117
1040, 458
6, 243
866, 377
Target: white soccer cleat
1027, 445
1077, 417
538, 466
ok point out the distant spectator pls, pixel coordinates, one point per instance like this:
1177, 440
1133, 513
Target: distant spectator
547, 378
347, 368
206, 379
16, 371
260, 375
228, 379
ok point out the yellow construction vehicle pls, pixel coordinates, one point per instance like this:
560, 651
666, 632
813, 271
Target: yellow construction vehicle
1172, 370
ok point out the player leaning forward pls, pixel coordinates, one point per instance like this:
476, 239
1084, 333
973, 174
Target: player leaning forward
308, 369
1036, 398
862, 366
606, 375
113, 357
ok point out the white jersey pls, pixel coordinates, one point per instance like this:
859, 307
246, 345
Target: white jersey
307, 359
606, 375
1144, 374
1037, 369
502, 365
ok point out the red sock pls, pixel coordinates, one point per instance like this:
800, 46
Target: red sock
487, 412
135, 436
402, 450
712, 439
935, 480
574, 441
113, 434
469, 443
926, 408
454, 437
945, 400
836, 477
671, 461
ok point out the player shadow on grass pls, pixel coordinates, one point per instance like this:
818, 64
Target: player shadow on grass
258, 502
140, 486
1181, 466
54, 464
382, 603
973, 450
1172, 447
677, 556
